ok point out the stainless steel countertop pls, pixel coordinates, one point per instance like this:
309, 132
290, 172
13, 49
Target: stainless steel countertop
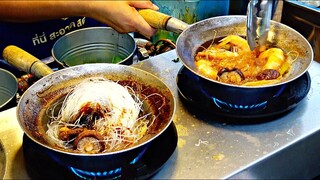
285, 147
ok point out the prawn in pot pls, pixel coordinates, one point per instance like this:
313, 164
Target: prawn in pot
280, 36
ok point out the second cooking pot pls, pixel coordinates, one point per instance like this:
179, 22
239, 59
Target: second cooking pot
195, 35
94, 45
280, 35
8, 89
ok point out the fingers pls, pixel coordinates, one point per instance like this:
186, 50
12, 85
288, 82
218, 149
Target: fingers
125, 19
144, 5
141, 25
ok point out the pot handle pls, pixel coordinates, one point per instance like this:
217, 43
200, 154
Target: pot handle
163, 21
26, 62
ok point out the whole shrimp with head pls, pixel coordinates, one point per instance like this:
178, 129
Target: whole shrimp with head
231, 61
225, 51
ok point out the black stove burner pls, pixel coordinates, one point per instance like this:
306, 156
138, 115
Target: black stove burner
40, 166
194, 96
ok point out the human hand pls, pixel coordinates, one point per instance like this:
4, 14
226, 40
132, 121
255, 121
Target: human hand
122, 15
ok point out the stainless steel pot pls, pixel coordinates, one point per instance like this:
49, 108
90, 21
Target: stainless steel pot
8, 88
195, 35
281, 35
34, 102
94, 45
242, 96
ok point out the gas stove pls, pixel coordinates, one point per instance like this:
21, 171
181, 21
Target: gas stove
195, 93
284, 147
144, 166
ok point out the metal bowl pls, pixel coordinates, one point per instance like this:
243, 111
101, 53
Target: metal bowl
8, 88
32, 107
237, 96
94, 45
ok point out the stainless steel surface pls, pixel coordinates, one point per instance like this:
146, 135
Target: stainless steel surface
286, 147
11, 137
3, 160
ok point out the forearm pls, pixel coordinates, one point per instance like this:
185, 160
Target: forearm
121, 15
30, 11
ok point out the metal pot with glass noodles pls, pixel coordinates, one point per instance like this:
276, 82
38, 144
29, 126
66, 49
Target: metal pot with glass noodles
100, 115
96, 116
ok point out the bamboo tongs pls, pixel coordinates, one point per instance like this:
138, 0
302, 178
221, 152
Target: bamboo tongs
257, 28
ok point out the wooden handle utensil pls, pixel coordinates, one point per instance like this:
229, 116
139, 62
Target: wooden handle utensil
163, 21
26, 62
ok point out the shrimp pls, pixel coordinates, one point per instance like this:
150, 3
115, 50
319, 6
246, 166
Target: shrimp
229, 47
205, 67
216, 54
275, 59
237, 43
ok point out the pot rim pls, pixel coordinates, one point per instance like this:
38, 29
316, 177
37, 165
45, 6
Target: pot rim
239, 17
16, 87
93, 65
53, 52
